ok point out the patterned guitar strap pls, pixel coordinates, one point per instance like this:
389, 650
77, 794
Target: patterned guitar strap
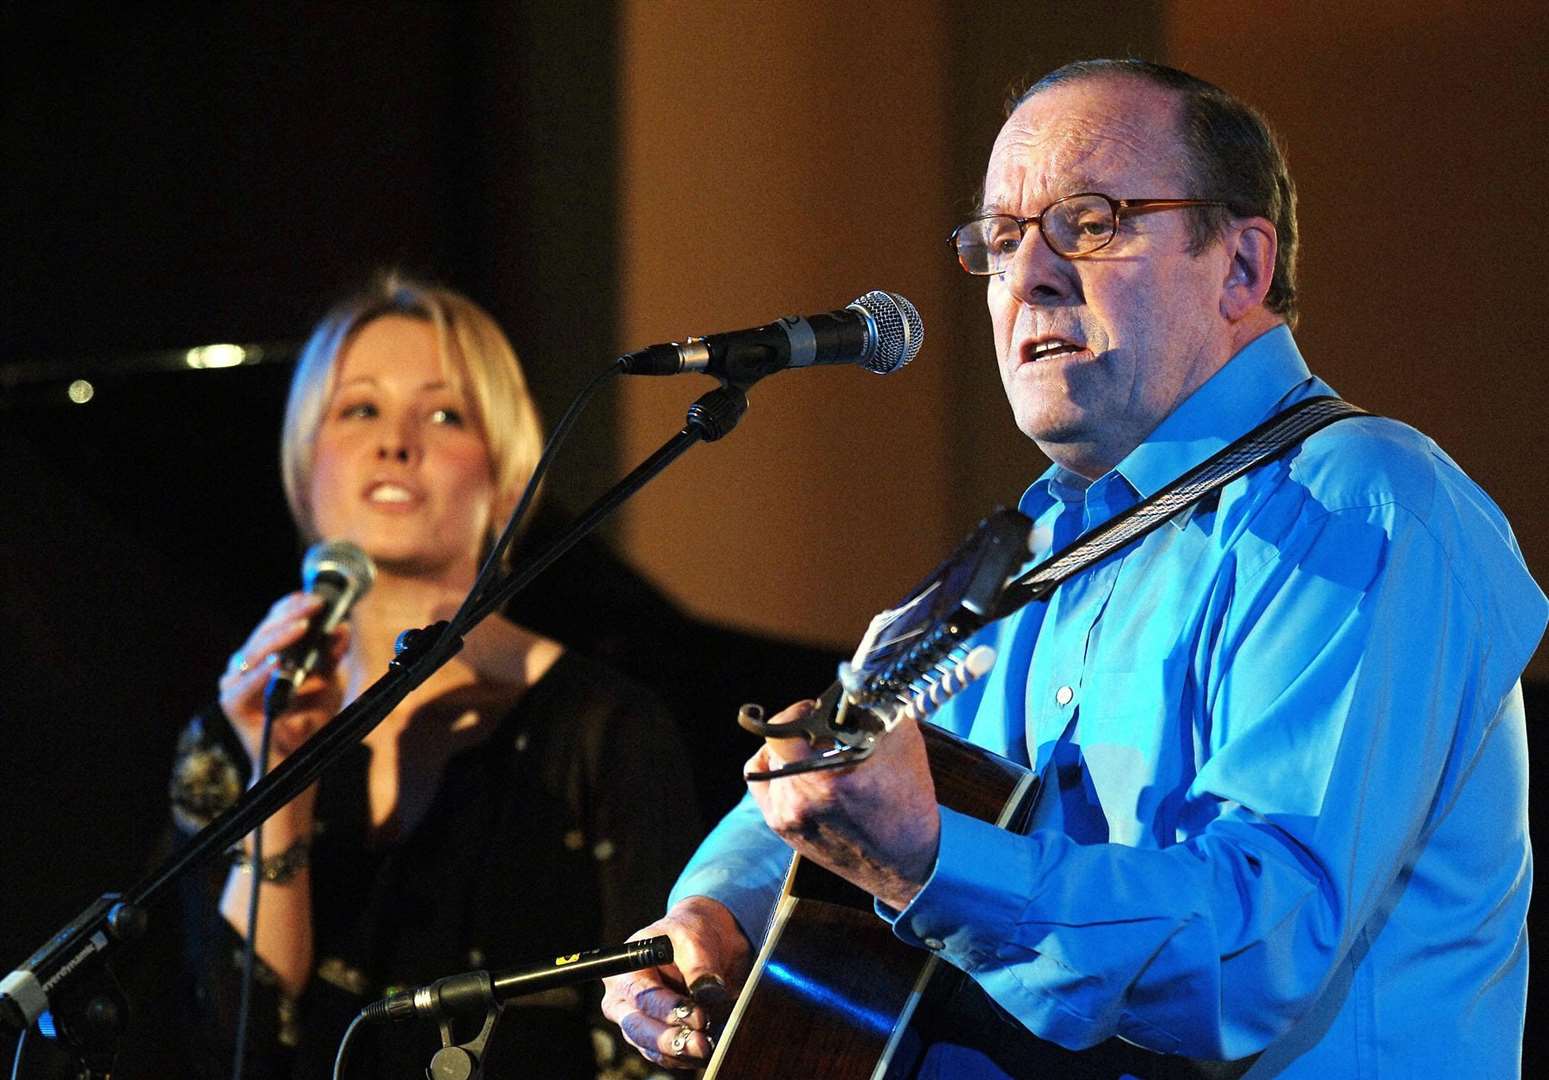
1269, 440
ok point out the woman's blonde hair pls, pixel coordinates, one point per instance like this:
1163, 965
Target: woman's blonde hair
470, 343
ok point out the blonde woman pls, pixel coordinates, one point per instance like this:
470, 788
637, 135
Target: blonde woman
522, 802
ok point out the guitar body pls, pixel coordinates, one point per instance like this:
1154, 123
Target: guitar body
833, 991
835, 994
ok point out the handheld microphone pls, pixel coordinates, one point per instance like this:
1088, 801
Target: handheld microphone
879, 331
341, 574
477, 991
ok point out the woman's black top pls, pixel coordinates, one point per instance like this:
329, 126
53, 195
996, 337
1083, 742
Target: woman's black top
562, 832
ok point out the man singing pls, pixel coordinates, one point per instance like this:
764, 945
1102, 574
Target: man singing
1282, 739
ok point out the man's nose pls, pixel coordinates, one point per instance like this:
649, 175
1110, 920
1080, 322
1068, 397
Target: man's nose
1039, 277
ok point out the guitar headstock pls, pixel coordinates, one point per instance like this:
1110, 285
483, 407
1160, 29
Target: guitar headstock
912, 657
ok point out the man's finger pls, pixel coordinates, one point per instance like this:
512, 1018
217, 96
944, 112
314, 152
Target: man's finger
665, 1004
683, 1047
671, 1045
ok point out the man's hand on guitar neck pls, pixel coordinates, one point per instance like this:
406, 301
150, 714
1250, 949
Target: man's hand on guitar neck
875, 824
653, 1006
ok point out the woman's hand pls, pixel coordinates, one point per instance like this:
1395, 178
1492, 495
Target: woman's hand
316, 700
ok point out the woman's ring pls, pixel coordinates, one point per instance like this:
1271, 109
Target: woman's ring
242, 664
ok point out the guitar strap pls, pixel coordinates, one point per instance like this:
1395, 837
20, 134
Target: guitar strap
1270, 439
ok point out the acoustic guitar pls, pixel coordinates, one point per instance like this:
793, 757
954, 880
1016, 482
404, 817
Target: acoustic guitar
833, 993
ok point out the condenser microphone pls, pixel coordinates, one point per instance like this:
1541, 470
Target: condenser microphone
477, 991
879, 331
341, 574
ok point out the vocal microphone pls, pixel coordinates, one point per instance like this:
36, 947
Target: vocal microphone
879, 331
477, 991
341, 574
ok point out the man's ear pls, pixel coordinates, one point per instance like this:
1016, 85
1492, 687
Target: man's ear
1251, 244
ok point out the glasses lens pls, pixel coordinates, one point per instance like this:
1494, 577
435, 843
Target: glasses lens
984, 245
1079, 224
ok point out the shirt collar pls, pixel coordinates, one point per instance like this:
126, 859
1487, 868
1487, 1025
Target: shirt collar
1231, 402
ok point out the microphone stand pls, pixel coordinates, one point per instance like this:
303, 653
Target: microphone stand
68, 975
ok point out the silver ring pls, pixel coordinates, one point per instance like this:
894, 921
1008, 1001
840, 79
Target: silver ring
242, 665
680, 1040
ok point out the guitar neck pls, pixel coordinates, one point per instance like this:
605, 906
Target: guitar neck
973, 781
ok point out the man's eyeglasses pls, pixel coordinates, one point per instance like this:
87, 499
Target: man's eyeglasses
1073, 227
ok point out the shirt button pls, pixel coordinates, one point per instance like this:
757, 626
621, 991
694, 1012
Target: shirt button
1063, 695
934, 944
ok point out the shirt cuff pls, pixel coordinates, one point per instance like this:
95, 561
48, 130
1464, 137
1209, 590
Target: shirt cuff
974, 897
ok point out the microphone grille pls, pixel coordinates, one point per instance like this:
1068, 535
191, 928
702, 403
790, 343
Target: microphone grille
899, 330
342, 558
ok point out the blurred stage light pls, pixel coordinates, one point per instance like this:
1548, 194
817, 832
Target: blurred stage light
216, 356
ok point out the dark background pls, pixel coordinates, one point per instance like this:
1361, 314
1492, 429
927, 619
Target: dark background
177, 175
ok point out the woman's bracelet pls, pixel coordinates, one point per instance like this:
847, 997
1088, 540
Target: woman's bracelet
277, 868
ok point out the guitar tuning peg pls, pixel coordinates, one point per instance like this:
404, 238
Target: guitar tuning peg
978, 661
974, 665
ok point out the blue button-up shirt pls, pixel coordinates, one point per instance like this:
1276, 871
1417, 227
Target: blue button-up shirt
1284, 758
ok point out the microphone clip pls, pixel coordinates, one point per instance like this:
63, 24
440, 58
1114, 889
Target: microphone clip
464, 1060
